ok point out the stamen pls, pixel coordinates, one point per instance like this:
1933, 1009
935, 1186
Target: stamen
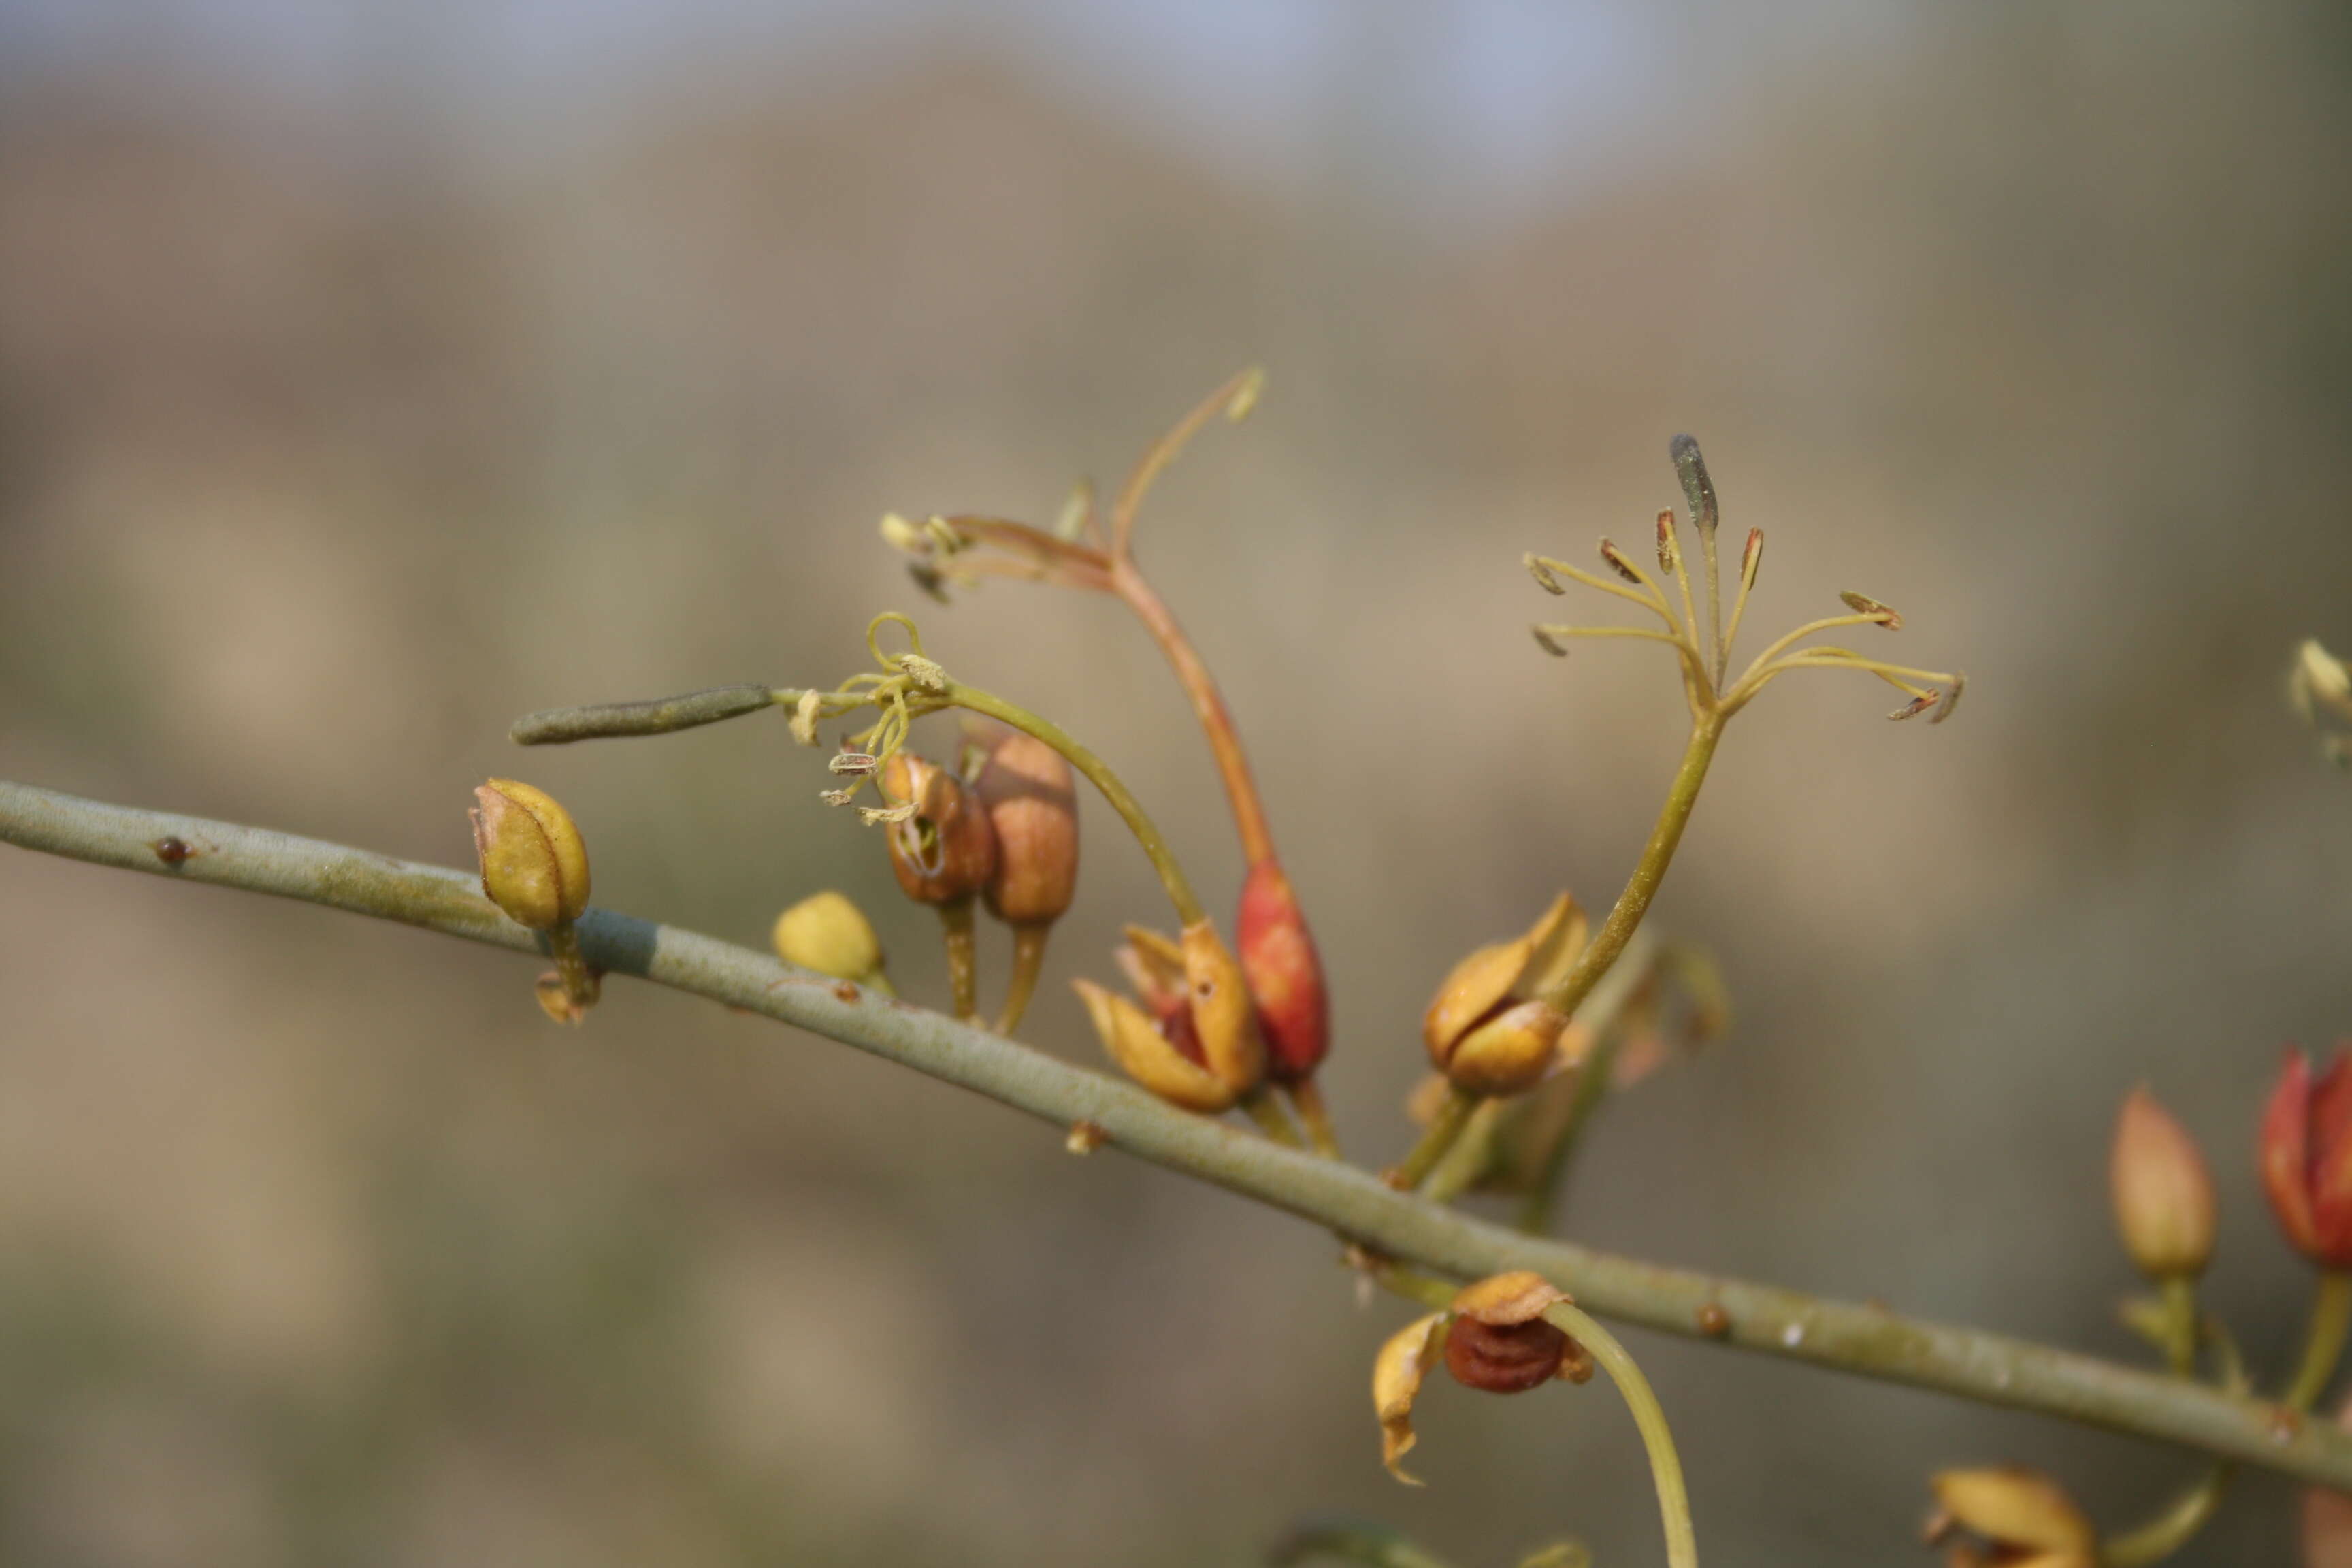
1863, 605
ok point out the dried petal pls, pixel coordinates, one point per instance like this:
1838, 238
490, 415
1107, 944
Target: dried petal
1398, 1371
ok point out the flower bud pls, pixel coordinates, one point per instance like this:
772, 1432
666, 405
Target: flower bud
2306, 1158
1487, 1030
945, 850
2025, 1518
1193, 1039
1285, 973
534, 866
2163, 1193
1500, 1342
830, 934
1493, 1337
1031, 801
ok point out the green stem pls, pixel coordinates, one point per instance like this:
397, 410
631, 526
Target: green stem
1866, 1339
1306, 1099
1453, 1116
963, 957
1591, 1087
1666, 1467
1130, 810
2179, 1296
1267, 1113
2173, 1527
2323, 1345
1625, 916
1028, 961
1472, 1157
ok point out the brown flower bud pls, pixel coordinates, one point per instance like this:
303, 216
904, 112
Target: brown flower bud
946, 850
1487, 1030
534, 866
1031, 800
2163, 1193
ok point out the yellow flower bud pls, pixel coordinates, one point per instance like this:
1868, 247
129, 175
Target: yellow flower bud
829, 934
2163, 1193
534, 866
1486, 1030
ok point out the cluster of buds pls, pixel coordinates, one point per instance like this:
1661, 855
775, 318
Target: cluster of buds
2306, 1158
535, 868
1086, 550
1493, 1337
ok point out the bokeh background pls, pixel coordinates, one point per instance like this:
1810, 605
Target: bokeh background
371, 374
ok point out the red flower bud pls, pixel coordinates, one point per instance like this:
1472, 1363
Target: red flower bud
2306, 1158
1284, 974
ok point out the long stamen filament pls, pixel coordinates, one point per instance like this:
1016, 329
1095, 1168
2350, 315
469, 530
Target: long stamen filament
1781, 645
1648, 602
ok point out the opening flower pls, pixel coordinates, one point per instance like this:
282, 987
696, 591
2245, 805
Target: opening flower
1189, 1034
1488, 1029
2306, 1158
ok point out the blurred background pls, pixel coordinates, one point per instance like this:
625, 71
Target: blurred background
372, 373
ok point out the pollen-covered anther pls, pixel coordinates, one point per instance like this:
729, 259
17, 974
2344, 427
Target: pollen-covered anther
856, 762
1751, 558
1619, 563
928, 675
1669, 557
1549, 643
804, 715
879, 816
1864, 605
1543, 574
1916, 706
1951, 698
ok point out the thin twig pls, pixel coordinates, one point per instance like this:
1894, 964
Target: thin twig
1870, 1341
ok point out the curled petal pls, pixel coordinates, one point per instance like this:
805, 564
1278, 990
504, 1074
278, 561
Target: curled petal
1502, 1300
2023, 1512
1510, 1053
1397, 1375
1135, 1042
1222, 1013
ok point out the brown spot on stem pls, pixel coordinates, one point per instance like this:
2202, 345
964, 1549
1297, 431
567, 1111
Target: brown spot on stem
1713, 1321
845, 990
1086, 1137
172, 850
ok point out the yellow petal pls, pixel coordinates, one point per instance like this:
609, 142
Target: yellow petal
1153, 963
1135, 1042
1468, 993
1397, 1375
1510, 1053
1554, 945
1221, 1011
2018, 1507
1503, 1300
